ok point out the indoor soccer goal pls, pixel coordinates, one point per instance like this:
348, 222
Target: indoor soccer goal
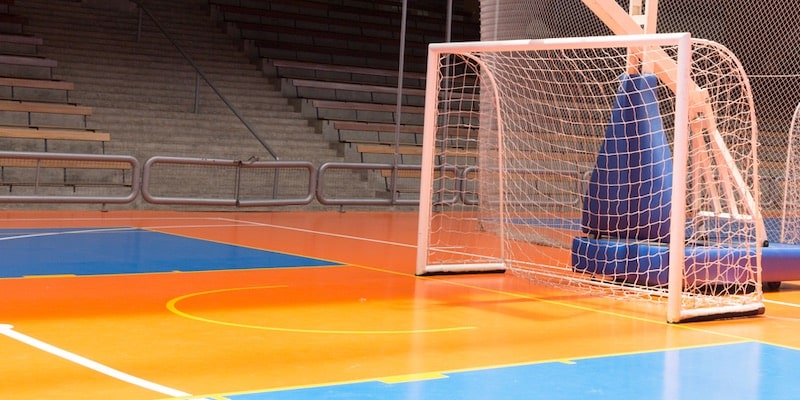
619, 165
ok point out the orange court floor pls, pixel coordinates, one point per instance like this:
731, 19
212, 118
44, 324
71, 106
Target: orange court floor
326, 305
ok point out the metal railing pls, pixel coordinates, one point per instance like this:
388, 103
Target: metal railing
324, 196
226, 182
95, 179
87, 178
32, 177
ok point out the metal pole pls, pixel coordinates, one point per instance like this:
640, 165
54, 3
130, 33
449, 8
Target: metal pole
448, 32
211, 85
399, 109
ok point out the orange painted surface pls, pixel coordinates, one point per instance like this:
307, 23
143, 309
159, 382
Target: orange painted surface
243, 331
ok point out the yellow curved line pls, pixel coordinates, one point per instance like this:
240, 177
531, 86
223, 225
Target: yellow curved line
172, 307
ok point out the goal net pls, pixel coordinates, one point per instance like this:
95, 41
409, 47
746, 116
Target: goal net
752, 30
790, 204
564, 162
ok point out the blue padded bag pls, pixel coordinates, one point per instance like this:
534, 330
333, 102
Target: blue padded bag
630, 188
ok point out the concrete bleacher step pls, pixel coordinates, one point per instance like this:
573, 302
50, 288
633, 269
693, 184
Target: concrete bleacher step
358, 131
132, 60
182, 100
21, 112
23, 66
333, 55
126, 32
35, 89
90, 77
344, 43
345, 91
329, 72
12, 23
367, 19
19, 44
53, 139
364, 112
353, 33
224, 124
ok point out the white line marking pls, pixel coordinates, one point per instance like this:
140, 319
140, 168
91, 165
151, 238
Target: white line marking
289, 228
451, 250
8, 330
80, 231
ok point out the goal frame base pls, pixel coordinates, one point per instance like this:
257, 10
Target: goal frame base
449, 269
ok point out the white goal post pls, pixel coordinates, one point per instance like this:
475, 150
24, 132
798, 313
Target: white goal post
790, 206
558, 160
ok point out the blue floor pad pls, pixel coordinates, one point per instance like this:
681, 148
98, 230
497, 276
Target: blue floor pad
746, 370
36, 252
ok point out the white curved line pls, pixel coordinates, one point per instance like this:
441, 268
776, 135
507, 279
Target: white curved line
43, 234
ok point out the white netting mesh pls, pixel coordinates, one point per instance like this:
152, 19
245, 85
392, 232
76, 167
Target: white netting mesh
790, 212
573, 181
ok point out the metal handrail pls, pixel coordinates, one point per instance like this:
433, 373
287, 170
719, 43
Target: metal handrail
46, 160
143, 9
234, 198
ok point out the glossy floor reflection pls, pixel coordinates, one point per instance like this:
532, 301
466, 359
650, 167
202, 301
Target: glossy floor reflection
290, 305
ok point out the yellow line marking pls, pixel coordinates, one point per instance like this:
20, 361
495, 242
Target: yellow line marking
163, 230
172, 307
423, 376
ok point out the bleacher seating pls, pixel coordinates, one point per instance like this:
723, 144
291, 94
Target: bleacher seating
340, 61
337, 61
35, 110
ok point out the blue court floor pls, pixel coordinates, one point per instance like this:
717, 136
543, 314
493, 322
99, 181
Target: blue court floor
745, 370
125, 250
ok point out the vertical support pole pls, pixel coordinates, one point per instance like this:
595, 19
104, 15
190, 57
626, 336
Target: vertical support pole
645, 14
238, 183
649, 26
651, 19
426, 173
788, 179
677, 247
635, 10
448, 29
399, 100
38, 175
